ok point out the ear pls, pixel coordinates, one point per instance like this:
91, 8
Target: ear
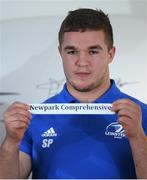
111, 54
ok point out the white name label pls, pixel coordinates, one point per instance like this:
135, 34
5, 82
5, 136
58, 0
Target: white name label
71, 108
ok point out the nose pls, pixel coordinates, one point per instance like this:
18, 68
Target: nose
82, 59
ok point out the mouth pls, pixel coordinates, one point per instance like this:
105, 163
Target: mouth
82, 74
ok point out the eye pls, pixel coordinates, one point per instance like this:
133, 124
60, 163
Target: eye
93, 52
72, 52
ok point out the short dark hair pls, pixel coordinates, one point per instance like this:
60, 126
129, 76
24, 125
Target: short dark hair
87, 19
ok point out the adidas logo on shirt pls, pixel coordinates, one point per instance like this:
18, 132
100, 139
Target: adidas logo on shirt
49, 133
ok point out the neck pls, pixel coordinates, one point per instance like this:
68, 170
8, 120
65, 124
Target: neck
90, 96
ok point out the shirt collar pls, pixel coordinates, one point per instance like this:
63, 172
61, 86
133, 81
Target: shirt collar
109, 96
65, 96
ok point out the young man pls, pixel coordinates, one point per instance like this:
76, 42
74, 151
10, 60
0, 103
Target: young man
79, 146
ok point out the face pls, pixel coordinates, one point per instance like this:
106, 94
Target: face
85, 58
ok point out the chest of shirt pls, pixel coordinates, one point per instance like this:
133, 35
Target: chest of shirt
86, 143
51, 132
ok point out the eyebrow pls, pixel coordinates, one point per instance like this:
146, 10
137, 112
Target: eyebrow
90, 47
69, 47
96, 47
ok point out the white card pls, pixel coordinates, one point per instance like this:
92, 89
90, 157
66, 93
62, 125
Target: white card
71, 108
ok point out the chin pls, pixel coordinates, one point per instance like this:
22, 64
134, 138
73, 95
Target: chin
83, 88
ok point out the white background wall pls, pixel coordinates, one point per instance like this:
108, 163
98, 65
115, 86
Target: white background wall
28, 44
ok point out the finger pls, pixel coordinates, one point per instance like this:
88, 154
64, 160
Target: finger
19, 105
18, 118
124, 120
16, 125
126, 102
19, 125
16, 110
128, 113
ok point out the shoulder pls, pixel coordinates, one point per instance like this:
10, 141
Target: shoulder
143, 107
53, 99
57, 97
137, 101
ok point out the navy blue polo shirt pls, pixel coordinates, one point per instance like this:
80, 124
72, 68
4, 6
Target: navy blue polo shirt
80, 146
